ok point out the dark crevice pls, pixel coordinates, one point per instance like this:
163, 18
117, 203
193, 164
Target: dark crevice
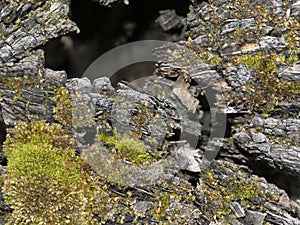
276, 176
103, 28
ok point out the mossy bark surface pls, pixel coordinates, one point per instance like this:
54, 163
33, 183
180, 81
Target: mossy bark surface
251, 48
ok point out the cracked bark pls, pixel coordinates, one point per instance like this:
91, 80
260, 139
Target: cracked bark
27, 93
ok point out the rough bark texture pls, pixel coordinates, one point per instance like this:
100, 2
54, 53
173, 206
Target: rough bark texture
26, 25
232, 42
27, 88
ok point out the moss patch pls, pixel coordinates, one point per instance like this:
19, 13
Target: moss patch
46, 183
128, 148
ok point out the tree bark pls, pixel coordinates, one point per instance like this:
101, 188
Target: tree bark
226, 191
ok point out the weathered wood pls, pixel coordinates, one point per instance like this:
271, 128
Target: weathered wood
24, 26
274, 140
27, 89
168, 19
27, 93
217, 41
223, 177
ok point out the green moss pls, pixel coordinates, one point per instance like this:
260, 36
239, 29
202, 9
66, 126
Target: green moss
293, 87
141, 118
173, 204
108, 167
42, 200
256, 61
46, 183
36, 158
289, 59
210, 57
128, 148
291, 37
163, 204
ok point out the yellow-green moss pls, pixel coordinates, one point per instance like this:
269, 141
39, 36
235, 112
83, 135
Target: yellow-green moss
289, 58
291, 37
141, 118
169, 205
32, 159
42, 200
128, 148
293, 87
108, 167
46, 183
257, 60
210, 57
46, 177
163, 207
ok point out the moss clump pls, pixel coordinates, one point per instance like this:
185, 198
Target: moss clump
141, 118
163, 210
46, 183
127, 148
293, 87
289, 59
42, 200
256, 61
52, 162
210, 57
173, 204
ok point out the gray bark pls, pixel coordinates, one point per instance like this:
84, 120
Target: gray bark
274, 141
